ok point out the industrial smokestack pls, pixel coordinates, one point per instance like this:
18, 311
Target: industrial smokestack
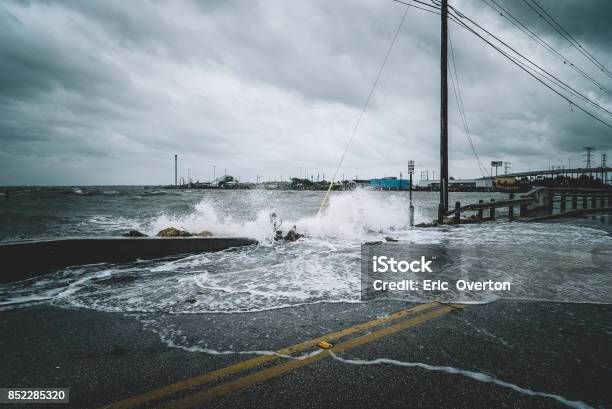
175, 170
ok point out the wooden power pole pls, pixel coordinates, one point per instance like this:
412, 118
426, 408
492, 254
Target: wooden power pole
443, 206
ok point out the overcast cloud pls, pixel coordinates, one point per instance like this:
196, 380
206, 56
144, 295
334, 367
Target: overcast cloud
106, 92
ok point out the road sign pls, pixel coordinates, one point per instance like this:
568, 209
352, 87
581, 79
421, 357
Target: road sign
411, 167
496, 164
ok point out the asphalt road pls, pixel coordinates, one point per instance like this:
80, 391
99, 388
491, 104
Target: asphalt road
505, 354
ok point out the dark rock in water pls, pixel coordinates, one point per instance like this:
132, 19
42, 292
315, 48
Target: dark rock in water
388, 238
373, 243
173, 232
191, 300
291, 235
204, 233
426, 225
134, 233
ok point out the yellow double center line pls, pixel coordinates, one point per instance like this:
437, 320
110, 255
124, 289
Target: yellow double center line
271, 372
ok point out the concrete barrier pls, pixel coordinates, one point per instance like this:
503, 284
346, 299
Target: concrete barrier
25, 259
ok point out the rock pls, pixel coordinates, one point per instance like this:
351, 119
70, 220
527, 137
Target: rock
389, 238
173, 232
291, 235
426, 225
134, 233
204, 233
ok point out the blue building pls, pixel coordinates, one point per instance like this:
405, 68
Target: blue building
390, 183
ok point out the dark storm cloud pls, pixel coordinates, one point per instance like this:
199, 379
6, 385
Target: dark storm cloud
107, 92
587, 21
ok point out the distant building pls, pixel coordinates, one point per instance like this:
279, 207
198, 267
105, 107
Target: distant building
390, 183
222, 181
475, 184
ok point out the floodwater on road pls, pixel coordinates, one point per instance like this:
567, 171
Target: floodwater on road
322, 268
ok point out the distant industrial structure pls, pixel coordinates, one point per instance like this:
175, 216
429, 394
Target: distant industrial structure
524, 181
482, 184
555, 176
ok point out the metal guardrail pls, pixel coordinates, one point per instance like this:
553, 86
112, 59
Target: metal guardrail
538, 203
489, 205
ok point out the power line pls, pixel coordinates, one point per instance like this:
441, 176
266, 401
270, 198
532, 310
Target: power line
566, 35
518, 24
529, 70
552, 77
365, 106
459, 100
524, 67
430, 10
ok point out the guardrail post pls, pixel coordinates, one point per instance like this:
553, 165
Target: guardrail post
562, 205
511, 209
457, 214
550, 201
480, 211
602, 201
593, 201
585, 203
523, 210
492, 211
574, 201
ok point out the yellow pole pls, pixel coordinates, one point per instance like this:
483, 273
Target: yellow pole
331, 183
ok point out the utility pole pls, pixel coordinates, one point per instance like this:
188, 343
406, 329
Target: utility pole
604, 165
175, 170
443, 206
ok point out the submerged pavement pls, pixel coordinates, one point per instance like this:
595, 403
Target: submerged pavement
503, 354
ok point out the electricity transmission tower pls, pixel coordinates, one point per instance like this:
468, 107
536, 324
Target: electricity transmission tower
588, 155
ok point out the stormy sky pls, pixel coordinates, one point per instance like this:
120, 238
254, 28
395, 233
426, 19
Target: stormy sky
106, 92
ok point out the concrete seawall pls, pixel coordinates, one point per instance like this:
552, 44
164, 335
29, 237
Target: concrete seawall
26, 259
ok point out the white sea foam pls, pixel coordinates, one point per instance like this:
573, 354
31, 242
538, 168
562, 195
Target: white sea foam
355, 216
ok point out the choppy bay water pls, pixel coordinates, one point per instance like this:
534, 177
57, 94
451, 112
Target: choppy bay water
324, 268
